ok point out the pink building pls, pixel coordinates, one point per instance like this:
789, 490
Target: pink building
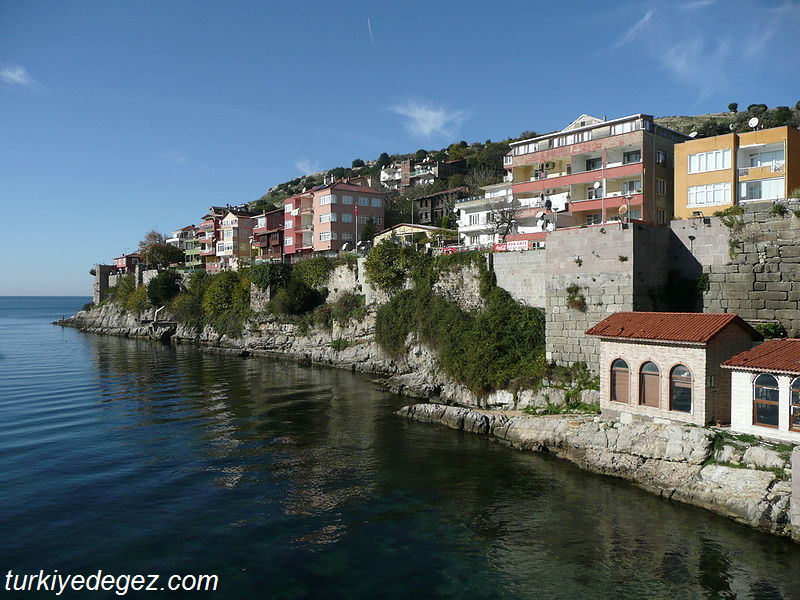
329, 218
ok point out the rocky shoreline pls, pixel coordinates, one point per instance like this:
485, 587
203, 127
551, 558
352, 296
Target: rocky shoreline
749, 483
682, 463
415, 375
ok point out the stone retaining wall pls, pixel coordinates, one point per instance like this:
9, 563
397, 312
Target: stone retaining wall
761, 282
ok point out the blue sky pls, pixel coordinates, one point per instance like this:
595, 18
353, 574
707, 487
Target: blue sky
119, 117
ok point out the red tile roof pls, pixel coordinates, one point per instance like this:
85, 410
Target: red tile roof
673, 327
772, 355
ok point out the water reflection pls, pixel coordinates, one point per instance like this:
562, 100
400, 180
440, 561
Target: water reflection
301, 482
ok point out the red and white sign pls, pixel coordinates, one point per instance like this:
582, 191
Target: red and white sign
517, 245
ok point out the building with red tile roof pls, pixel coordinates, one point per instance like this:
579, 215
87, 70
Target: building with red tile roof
666, 366
765, 390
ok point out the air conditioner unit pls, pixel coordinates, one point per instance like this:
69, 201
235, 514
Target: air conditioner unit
549, 165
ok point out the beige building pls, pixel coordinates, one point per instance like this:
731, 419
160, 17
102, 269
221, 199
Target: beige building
765, 390
405, 233
715, 173
667, 366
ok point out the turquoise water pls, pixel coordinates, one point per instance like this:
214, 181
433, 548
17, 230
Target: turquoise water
291, 482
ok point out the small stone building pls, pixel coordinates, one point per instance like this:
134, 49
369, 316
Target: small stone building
765, 390
667, 366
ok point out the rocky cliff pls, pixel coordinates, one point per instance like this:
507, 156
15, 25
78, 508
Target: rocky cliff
679, 462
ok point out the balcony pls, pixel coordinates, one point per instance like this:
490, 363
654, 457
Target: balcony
210, 252
762, 172
571, 178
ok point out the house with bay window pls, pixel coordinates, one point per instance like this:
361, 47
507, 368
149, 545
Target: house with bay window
667, 366
715, 173
765, 390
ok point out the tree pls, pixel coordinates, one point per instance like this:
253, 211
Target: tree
384, 160
421, 154
163, 288
733, 107
478, 177
368, 231
358, 163
757, 109
162, 255
150, 238
527, 134
797, 106
502, 216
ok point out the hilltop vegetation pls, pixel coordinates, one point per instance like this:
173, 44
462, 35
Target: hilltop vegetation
486, 157
719, 123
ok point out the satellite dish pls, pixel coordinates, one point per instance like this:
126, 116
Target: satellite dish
345, 246
732, 127
753, 122
540, 223
540, 214
693, 135
623, 209
597, 185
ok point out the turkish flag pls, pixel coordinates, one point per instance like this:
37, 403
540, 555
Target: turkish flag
355, 210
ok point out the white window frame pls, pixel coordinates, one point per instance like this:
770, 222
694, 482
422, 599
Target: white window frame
327, 199
713, 160
363, 201
710, 194
347, 200
661, 186
289, 241
377, 203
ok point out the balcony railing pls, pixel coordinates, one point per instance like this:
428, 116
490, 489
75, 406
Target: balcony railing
761, 170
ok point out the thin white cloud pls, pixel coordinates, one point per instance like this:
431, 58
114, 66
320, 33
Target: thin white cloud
698, 64
369, 28
424, 119
306, 167
631, 34
16, 75
697, 4
175, 157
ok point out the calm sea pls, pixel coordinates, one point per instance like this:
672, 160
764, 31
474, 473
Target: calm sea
286, 482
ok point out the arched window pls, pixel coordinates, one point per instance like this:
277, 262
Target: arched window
794, 406
620, 381
680, 389
649, 385
765, 401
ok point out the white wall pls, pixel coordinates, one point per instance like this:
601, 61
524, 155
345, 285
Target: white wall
742, 407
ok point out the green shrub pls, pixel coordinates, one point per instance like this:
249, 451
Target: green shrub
348, 306
221, 293
388, 265
88, 306
485, 351
188, 310
771, 330
313, 272
779, 209
795, 193
575, 299
226, 301
137, 301
340, 344
296, 298
120, 293
163, 287
270, 276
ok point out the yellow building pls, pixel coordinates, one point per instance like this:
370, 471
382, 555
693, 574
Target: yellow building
715, 173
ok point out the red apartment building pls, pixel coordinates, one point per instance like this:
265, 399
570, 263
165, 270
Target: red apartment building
268, 236
327, 219
127, 262
209, 233
594, 171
